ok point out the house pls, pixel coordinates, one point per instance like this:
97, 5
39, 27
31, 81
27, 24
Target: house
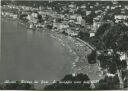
123, 11
79, 19
120, 6
61, 26
108, 7
126, 23
72, 5
35, 15
88, 12
96, 23
98, 11
91, 7
31, 26
119, 18
2, 13
32, 19
112, 7
115, 2
29, 17
123, 56
83, 6
110, 51
92, 34
110, 75
71, 32
126, 7
14, 16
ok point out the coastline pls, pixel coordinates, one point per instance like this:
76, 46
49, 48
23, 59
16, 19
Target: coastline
77, 50
51, 45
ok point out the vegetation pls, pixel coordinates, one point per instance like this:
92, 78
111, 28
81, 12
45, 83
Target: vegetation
79, 82
114, 37
108, 83
109, 36
92, 57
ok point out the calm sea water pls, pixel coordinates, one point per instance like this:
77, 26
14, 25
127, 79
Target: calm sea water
31, 55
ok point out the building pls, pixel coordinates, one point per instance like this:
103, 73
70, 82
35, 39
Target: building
120, 18
79, 19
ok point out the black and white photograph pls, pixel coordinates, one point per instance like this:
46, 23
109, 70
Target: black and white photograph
64, 45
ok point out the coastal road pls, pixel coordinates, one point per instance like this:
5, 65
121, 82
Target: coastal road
31, 55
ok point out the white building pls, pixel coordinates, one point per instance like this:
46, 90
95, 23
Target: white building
108, 7
83, 6
113, 7
32, 19
92, 34
88, 12
79, 19
126, 7
110, 75
123, 56
91, 7
35, 15
121, 17
96, 24
14, 16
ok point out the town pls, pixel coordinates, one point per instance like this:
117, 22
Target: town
101, 27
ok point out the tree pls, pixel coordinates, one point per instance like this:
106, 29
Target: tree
39, 18
113, 37
83, 35
125, 77
89, 19
108, 83
79, 82
92, 57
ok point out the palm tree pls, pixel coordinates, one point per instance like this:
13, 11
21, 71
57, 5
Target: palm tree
113, 37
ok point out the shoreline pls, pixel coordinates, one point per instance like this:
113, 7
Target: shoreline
77, 49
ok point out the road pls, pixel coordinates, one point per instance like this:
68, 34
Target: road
31, 55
